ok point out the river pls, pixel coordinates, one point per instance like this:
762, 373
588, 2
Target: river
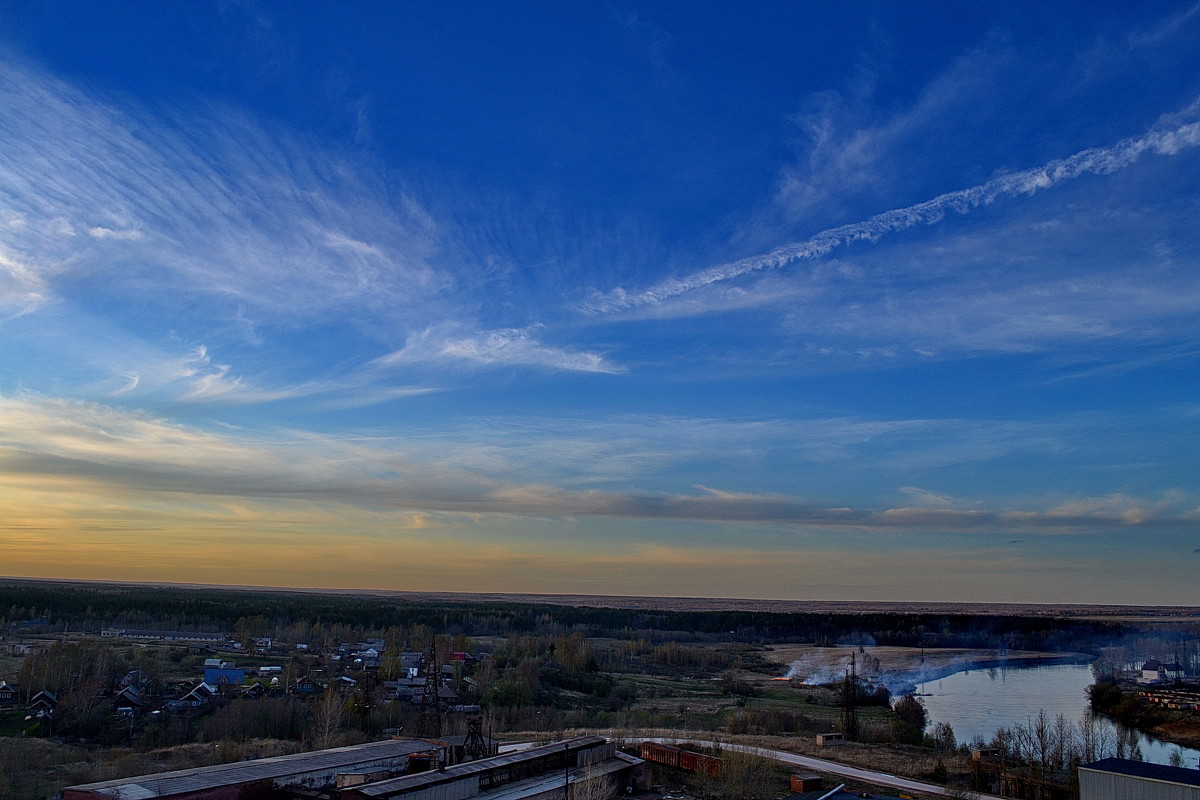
977, 702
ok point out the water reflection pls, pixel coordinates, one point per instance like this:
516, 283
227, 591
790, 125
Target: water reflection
977, 702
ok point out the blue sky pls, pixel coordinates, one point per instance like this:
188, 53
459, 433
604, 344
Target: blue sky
883, 301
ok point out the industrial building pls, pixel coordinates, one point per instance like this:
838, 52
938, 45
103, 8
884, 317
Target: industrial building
396, 768
589, 766
1121, 779
265, 778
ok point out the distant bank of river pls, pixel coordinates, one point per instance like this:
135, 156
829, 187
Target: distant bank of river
977, 702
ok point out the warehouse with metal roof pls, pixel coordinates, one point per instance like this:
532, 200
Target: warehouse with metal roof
261, 778
1122, 779
582, 766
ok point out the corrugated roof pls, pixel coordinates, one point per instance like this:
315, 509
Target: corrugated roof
1142, 769
549, 781
165, 784
408, 783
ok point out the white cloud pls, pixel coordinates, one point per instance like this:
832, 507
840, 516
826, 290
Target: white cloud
923, 498
21, 287
213, 207
1177, 133
58, 443
503, 347
196, 377
847, 152
100, 232
1129, 509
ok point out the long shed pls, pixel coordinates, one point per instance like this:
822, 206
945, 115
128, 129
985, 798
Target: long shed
532, 774
252, 779
1122, 779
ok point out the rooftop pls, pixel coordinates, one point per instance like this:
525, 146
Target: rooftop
165, 784
1142, 769
409, 783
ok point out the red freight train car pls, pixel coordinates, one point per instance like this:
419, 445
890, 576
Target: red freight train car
660, 753
681, 759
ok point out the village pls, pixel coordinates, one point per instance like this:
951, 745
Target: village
224, 670
109, 706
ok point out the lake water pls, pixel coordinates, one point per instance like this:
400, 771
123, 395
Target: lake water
977, 702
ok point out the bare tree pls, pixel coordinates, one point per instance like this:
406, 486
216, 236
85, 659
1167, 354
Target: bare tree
745, 775
592, 783
329, 721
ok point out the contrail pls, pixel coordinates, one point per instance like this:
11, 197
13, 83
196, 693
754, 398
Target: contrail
1094, 161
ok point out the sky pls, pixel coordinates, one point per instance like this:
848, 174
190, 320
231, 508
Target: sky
873, 300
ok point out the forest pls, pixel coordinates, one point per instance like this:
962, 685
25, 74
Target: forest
294, 615
314, 670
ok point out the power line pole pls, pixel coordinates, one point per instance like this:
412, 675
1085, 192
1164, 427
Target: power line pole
429, 720
850, 701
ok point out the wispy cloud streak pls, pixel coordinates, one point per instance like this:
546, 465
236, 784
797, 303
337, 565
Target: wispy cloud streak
1168, 140
503, 347
214, 207
83, 449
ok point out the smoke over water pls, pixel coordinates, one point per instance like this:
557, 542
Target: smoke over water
822, 670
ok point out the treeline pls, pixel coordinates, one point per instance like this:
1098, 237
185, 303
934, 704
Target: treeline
1107, 697
90, 608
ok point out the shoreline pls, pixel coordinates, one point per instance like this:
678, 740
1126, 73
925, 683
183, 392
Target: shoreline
900, 669
1018, 662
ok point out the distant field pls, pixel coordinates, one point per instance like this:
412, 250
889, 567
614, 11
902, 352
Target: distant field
1122, 613
1114, 612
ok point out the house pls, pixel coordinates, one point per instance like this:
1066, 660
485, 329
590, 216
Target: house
186, 637
42, 704
1151, 671
134, 677
409, 689
8, 694
130, 697
1155, 671
198, 699
227, 681
255, 690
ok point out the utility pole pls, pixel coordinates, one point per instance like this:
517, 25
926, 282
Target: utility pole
429, 720
566, 771
850, 701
